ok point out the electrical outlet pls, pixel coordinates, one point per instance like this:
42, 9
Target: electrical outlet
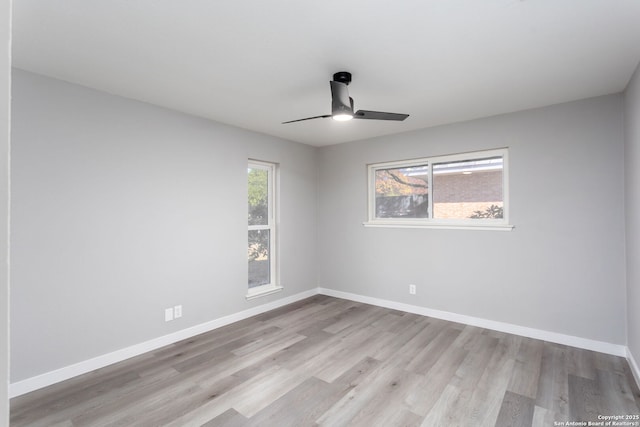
412, 289
177, 311
168, 314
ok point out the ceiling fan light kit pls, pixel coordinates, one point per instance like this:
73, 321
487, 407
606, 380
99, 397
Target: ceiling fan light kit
342, 104
342, 117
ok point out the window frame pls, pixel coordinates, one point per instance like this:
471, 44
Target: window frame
272, 225
430, 222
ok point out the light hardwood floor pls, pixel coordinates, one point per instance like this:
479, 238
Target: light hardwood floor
331, 362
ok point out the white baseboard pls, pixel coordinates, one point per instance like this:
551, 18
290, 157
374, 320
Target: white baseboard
635, 370
49, 378
588, 344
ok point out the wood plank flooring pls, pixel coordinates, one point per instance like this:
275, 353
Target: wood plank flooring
330, 362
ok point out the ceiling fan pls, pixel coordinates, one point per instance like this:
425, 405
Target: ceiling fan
342, 104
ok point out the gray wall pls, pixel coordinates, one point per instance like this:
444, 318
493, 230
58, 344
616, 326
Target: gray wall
632, 166
117, 215
5, 86
121, 209
561, 269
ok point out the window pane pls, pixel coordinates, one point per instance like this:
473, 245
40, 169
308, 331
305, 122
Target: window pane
402, 192
259, 258
468, 189
258, 196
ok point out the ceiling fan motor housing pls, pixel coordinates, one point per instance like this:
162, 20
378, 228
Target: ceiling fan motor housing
340, 101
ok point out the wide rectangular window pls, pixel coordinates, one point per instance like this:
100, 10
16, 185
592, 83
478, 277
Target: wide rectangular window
262, 235
458, 191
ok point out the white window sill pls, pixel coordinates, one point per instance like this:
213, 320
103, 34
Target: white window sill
410, 224
261, 291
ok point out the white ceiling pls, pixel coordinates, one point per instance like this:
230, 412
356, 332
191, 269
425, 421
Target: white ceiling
257, 63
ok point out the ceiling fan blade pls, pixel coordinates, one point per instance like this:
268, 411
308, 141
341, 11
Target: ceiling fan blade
308, 118
340, 101
378, 115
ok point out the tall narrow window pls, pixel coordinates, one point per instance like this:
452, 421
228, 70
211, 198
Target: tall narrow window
262, 236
